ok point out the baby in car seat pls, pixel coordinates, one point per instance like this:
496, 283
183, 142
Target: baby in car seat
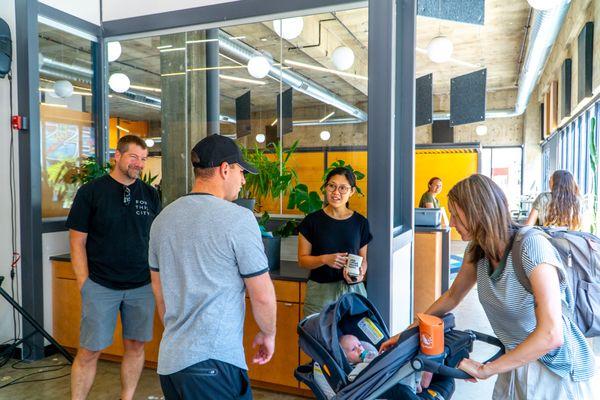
360, 354
356, 354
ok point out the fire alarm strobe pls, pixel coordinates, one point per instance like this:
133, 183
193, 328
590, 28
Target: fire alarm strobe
19, 122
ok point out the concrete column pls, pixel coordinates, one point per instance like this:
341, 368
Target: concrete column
183, 110
212, 82
532, 151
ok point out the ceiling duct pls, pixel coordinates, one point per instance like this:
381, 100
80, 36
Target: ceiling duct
544, 30
243, 53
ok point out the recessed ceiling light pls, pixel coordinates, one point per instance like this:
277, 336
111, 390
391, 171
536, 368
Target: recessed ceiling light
263, 39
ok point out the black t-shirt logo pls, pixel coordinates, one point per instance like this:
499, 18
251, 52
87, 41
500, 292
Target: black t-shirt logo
141, 207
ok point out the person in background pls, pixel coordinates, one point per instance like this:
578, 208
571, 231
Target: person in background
205, 254
109, 226
547, 356
325, 239
561, 207
428, 199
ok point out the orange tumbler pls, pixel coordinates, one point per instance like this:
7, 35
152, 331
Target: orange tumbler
431, 334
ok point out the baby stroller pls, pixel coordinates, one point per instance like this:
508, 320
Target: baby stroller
354, 314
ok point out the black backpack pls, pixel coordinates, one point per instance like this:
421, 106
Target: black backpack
580, 253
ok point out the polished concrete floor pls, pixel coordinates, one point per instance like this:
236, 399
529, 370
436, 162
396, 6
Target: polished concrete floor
469, 315
106, 386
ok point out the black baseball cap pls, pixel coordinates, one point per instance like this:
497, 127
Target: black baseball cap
214, 150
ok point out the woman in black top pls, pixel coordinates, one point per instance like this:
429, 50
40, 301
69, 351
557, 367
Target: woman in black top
327, 237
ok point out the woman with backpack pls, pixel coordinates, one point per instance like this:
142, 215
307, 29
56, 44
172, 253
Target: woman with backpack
547, 356
561, 207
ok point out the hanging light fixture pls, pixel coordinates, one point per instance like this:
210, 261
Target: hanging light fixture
481, 130
260, 138
439, 49
544, 5
113, 50
63, 89
259, 66
343, 58
289, 28
325, 135
119, 82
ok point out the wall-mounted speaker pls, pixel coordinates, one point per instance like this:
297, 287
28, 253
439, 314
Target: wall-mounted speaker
5, 48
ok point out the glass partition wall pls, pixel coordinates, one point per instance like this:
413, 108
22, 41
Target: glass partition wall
67, 129
291, 92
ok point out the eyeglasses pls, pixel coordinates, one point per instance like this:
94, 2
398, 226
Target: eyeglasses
343, 189
126, 195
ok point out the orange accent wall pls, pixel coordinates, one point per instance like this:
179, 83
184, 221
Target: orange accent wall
139, 128
450, 167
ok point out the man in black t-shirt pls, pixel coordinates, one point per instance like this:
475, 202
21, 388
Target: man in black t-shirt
109, 227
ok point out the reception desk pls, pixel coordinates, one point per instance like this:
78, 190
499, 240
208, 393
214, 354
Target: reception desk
431, 265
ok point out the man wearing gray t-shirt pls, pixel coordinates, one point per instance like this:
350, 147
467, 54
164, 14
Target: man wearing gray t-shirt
205, 253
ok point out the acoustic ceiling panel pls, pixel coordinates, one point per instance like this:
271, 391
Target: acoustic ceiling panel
467, 98
287, 109
424, 100
243, 120
468, 11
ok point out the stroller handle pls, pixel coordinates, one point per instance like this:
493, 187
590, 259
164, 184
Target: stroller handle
421, 363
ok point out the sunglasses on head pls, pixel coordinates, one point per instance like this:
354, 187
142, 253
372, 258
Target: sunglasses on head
126, 195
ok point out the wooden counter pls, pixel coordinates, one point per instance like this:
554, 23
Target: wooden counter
432, 265
278, 374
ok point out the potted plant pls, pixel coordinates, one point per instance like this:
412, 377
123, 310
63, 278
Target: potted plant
274, 178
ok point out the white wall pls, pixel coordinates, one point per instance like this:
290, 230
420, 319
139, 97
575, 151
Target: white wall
401, 289
88, 10
7, 12
119, 9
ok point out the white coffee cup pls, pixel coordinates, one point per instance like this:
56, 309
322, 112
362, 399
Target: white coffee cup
353, 265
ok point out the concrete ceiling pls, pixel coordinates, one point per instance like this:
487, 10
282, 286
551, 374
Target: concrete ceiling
495, 46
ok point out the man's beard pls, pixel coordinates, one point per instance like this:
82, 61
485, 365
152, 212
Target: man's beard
131, 172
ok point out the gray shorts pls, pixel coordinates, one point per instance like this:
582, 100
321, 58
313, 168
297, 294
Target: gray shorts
99, 308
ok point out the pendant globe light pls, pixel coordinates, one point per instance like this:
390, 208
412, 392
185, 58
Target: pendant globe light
439, 49
343, 58
119, 82
289, 28
113, 50
63, 89
259, 66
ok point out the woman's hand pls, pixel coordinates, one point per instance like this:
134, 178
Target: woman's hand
388, 344
353, 279
336, 260
425, 381
476, 369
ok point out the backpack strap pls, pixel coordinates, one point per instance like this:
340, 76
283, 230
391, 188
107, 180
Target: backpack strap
517, 254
